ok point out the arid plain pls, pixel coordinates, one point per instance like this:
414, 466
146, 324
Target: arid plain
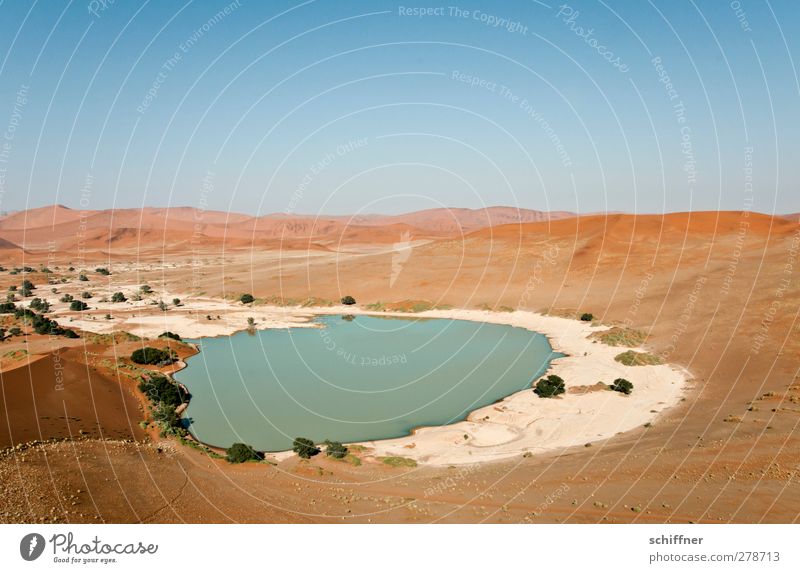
713, 293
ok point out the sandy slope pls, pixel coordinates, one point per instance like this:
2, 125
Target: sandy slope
716, 293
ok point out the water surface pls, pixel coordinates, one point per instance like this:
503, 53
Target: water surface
358, 378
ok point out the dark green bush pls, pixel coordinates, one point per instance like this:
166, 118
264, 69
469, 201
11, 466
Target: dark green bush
246, 298
550, 386
161, 390
150, 355
239, 453
102, 271
622, 385
78, 305
587, 317
118, 297
304, 448
348, 300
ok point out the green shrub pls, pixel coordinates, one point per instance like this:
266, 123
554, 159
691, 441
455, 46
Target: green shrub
102, 271
118, 297
246, 298
83, 277
305, 448
550, 386
587, 317
66, 298
622, 385
159, 389
239, 453
40, 304
335, 449
78, 305
150, 355
348, 300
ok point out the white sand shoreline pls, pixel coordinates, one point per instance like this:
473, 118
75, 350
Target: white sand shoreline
518, 424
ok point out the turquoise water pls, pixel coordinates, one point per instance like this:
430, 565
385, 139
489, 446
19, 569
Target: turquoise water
358, 378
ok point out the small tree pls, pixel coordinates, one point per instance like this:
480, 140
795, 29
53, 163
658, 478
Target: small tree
348, 300
622, 385
176, 301
587, 317
304, 448
239, 453
335, 449
145, 289
27, 288
246, 298
66, 298
86, 294
40, 304
83, 277
118, 297
550, 386
102, 271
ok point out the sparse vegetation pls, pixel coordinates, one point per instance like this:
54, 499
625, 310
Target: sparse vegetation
66, 298
399, 462
102, 271
632, 358
86, 294
550, 386
621, 337
82, 277
305, 448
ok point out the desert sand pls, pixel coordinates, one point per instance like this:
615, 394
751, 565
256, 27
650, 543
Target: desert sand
714, 293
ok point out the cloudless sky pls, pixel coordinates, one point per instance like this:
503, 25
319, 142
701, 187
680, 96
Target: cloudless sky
369, 106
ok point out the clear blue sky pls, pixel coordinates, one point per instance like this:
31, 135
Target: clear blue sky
369, 106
